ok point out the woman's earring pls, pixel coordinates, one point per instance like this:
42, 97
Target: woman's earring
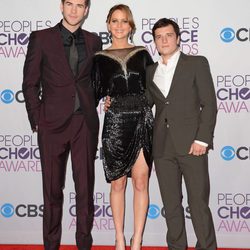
110, 37
131, 37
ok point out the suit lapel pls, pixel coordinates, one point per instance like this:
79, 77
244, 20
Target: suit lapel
177, 73
86, 52
58, 47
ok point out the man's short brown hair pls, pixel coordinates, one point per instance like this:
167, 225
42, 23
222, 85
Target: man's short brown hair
87, 2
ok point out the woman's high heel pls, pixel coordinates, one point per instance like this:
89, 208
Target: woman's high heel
132, 242
124, 242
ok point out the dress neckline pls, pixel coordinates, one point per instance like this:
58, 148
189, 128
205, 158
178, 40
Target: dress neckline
132, 47
121, 59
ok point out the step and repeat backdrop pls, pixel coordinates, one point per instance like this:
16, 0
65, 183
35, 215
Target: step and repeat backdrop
220, 30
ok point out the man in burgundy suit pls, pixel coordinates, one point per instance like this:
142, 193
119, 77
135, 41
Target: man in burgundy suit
61, 108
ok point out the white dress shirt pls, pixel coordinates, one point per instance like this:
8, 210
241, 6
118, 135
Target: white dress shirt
165, 72
164, 75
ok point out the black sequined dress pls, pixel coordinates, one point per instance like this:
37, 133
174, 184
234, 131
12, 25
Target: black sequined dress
128, 124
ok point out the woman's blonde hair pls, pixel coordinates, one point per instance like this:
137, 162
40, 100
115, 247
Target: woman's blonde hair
126, 9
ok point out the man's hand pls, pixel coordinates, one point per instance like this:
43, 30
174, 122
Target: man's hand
107, 103
197, 149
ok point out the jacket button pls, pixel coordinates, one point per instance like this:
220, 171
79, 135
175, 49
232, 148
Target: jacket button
167, 102
168, 126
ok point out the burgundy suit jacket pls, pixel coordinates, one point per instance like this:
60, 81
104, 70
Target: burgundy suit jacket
49, 86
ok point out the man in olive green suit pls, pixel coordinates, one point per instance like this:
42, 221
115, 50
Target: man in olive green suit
181, 87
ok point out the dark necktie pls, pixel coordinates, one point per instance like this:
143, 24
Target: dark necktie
73, 61
73, 55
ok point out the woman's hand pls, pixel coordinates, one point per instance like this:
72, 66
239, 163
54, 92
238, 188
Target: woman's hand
107, 103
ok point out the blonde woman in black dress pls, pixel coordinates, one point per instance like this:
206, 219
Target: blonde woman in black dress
119, 72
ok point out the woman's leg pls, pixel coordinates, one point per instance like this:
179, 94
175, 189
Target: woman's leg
117, 201
140, 177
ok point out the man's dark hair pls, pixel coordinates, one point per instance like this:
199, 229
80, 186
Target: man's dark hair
87, 2
163, 22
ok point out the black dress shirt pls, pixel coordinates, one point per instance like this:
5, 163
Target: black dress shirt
80, 45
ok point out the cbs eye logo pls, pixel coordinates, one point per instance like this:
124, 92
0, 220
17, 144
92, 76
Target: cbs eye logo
227, 35
7, 210
227, 153
7, 96
153, 211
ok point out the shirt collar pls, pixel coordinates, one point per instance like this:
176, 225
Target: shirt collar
172, 60
66, 33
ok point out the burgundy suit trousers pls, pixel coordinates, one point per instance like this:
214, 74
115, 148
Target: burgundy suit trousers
55, 146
